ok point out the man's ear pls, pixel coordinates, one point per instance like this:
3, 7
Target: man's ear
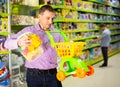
39, 15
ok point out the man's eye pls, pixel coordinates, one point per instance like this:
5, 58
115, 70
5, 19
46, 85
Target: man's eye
48, 18
52, 19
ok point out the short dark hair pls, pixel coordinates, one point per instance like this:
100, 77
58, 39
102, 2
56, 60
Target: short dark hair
46, 7
102, 25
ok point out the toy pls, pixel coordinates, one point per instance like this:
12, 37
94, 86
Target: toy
58, 2
4, 76
58, 14
2, 40
70, 63
67, 2
34, 50
4, 24
67, 14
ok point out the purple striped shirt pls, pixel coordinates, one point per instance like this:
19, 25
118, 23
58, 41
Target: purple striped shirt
48, 59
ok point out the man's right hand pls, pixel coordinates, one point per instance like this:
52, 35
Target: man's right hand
92, 41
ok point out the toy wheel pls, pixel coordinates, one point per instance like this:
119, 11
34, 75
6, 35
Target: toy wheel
91, 71
81, 73
74, 75
61, 75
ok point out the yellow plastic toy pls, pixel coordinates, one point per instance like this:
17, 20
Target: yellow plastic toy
33, 51
36, 42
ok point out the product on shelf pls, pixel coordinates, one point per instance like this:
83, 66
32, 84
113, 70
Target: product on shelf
67, 14
31, 2
23, 20
4, 24
58, 14
2, 40
4, 75
67, 2
115, 2
85, 56
3, 6
51, 2
58, 2
97, 52
17, 1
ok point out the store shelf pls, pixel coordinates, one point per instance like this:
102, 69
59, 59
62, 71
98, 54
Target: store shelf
84, 38
4, 52
3, 14
4, 33
113, 41
84, 21
17, 28
93, 46
79, 30
16, 9
114, 28
96, 60
19, 9
104, 3
115, 33
82, 10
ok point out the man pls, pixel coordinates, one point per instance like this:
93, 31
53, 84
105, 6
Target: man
41, 72
105, 42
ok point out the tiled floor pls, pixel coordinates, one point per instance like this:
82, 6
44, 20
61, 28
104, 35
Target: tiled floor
103, 77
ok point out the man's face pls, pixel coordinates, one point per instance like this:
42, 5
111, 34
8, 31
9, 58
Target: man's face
102, 29
46, 19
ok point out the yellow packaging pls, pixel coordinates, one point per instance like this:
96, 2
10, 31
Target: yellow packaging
4, 25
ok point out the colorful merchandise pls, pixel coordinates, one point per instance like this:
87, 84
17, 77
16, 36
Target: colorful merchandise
3, 24
2, 40
4, 75
35, 49
3, 6
68, 2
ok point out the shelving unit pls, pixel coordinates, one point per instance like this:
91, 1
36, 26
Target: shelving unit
3, 14
75, 31
109, 14
5, 30
2, 32
90, 11
4, 25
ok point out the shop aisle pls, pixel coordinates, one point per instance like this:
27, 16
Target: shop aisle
103, 77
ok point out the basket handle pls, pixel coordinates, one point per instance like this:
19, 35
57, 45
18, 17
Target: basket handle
64, 36
56, 31
51, 38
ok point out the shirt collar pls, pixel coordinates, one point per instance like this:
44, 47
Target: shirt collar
38, 27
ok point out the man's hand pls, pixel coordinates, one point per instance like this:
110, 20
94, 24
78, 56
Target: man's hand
24, 41
92, 41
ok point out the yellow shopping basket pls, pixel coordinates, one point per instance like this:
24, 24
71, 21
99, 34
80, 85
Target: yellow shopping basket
66, 49
69, 49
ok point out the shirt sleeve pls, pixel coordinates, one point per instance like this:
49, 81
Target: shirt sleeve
11, 42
